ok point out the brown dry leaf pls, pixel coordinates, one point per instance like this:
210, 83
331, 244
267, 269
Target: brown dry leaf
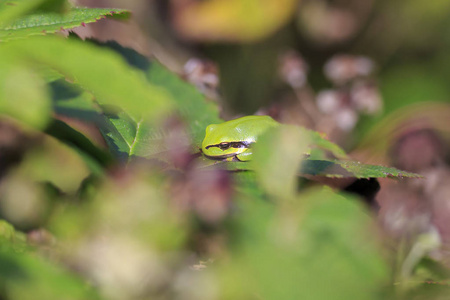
231, 20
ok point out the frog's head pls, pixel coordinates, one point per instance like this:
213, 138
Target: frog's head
220, 144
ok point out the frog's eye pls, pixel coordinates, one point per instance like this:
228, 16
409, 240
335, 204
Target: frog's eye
224, 146
239, 145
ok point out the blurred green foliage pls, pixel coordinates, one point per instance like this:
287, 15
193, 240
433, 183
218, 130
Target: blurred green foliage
103, 194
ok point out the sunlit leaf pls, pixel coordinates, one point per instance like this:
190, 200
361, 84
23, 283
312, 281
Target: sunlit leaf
12, 238
129, 137
377, 142
277, 157
233, 20
12, 9
319, 247
56, 163
327, 168
26, 276
194, 108
45, 23
349, 168
99, 71
23, 94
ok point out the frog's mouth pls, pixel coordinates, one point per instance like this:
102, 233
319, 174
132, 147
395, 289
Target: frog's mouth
231, 156
228, 145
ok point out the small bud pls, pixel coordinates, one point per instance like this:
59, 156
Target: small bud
343, 68
293, 69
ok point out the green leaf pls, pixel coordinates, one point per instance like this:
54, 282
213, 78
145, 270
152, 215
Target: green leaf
23, 94
43, 164
194, 108
71, 101
327, 168
11, 9
122, 133
41, 24
277, 157
348, 168
95, 158
130, 137
233, 20
10, 237
24, 275
99, 71
27, 276
319, 246
320, 142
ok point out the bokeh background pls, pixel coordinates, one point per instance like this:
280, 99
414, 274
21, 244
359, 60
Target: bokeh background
369, 75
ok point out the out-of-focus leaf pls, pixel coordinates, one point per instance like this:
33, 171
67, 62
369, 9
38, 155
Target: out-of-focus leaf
233, 20
127, 239
377, 142
71, 101
56, 163
276, 159
99, 71
41, 24
10, 237
321, 246
23, 201
23, 94
75, 106
27, 276
194, 108
11, 9
405, 86
129, 137
95, 157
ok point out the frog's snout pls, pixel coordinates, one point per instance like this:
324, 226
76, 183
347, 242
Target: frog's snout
210, 128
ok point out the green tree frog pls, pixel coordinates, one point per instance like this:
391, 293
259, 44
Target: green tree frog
233, 139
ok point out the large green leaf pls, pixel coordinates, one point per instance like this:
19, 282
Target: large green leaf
125, 135
349, 168
319, 246
12, 9
327, 168
130, 137
276, 159
233, 20
71, 101
23, 94
43, 23
99, 71
194, 108
26, 276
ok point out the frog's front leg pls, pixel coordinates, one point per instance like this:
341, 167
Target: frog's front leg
244, 156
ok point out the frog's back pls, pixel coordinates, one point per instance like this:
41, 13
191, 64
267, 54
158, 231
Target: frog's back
253, 125
253, 122
242, 129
